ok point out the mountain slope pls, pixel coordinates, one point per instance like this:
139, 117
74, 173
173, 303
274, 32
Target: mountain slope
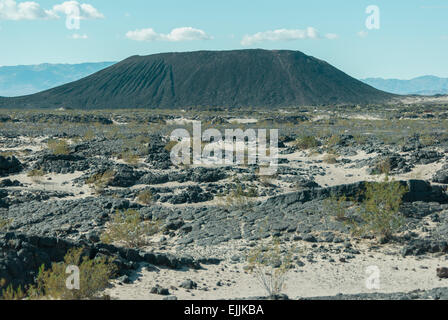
258, 78
22, 80
426, 85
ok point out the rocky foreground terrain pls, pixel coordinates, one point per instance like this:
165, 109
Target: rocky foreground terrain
64, 174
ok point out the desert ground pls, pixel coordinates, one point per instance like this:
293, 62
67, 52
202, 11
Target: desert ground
65, 176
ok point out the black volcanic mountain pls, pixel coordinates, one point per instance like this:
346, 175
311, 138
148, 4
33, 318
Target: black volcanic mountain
256, 78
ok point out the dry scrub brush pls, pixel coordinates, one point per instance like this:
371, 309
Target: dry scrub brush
128, 228
270, 266
36, 175
379, 213
94, 277
4, 224
337, 207
238, 198
99, 181
145, 197
58, 147
306, 142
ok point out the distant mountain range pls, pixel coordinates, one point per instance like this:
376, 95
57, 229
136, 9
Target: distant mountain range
23, 80
426, 85
238, 78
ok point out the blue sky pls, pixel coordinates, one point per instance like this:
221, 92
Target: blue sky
412, 39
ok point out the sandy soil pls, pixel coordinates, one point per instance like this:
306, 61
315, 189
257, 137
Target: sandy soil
243, 121
323, 278
424, 99
53, 182
337, 174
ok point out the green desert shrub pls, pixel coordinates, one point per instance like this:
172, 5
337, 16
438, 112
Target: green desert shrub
145, 197
337, 207
383, 166
330, 158
11, 293
58, 147
379, 212
94, 277
36, 174
270, 266
100, 181
128, 228
4, 224
129, 157
306, 142
239, 198
333, 141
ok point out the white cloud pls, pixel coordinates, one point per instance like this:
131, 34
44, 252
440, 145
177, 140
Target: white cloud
187, 34
77, 36
331, 36
30, 10
86, 11
142, 35
176, 35
363, 34
280, 35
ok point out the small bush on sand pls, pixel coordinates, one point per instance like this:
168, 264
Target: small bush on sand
94, 276
128, 228
239, 198
59, 147
333, 141
383, 167
4, 224
337, 207
36, 175
330, 158
129, 157
145, 197
379, 214
270, 266
306, 142
100, 181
